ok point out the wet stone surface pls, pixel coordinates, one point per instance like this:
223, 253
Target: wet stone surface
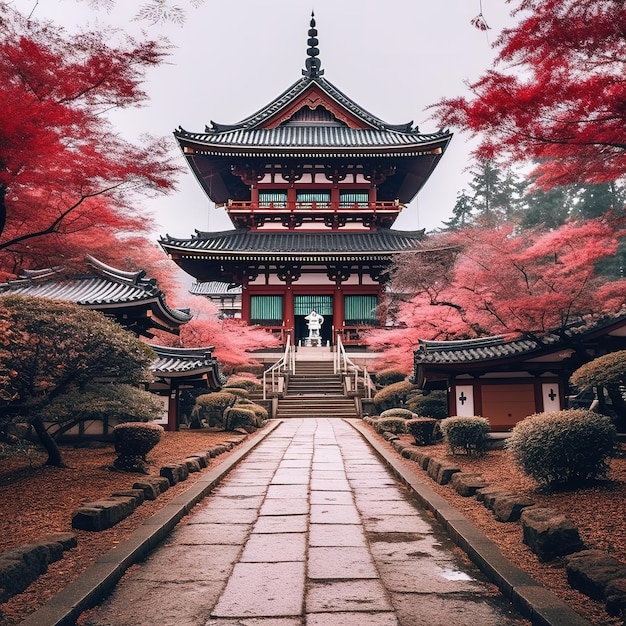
310, 529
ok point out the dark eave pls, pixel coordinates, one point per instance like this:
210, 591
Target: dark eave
106, 289
290, 245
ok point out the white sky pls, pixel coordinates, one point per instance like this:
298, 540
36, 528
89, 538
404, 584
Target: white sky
231, 57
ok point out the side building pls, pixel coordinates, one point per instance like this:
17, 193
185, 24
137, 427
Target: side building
312, 183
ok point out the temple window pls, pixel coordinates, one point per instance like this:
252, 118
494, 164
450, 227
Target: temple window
360, 310
350, 199
266, 310
275, 199
313, 199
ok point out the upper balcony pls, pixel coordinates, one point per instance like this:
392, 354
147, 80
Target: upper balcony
292, 214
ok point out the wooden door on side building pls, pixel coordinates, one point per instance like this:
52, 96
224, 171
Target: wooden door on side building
506, 404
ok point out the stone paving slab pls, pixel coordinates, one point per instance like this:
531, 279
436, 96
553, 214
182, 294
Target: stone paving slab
339, 596
329, 535
260, 590
280, 547
209, 534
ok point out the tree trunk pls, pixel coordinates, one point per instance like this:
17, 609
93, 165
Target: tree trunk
619, 406
3, 208
50, 445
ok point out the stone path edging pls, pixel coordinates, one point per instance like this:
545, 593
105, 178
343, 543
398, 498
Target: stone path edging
101, 577
534, 601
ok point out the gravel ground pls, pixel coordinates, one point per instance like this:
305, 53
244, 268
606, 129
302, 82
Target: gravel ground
39, 500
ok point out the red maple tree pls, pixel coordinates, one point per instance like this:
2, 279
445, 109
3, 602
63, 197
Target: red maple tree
68, 181
556, 95
489, 281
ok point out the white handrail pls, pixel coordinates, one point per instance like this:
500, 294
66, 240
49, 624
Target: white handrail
343, 365
286, 363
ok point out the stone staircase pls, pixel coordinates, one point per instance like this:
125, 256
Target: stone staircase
315, 391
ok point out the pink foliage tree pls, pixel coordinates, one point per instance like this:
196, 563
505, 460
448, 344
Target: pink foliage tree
484, 281
233, 339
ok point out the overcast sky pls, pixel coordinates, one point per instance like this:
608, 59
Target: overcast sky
231, 57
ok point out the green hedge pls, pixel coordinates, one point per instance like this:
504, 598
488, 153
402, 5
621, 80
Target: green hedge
434, 404
133, 441
211, 406
392, 396
423, 430
405, 413
564, 448
467, 435
240, 417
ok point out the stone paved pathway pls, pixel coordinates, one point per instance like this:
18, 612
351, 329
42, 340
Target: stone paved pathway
309, 530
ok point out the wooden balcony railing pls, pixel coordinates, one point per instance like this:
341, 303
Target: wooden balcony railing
278, 208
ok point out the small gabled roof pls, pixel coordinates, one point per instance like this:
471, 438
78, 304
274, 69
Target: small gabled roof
187, 363
107, 289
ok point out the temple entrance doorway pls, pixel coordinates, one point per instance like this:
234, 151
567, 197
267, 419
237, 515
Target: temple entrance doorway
323, 305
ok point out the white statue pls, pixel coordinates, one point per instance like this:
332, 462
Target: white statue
314, 322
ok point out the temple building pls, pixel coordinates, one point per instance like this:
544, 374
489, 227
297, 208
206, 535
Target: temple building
312, 183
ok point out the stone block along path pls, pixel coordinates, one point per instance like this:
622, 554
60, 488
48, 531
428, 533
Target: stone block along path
310, 529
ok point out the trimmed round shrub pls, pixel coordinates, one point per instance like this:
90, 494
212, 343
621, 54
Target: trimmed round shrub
239, 417
392, 396
211, 406
239, 382
422, 429
240, 392
259, 411
434, 404
388, 377
606, 370
564, 448
465, 434
133, 441
396, 425
405, 413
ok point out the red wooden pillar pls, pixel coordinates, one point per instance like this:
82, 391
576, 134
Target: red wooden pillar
245, 304
338, 312
172, 408
289, 314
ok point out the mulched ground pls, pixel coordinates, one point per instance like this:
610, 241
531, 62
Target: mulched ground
39, 500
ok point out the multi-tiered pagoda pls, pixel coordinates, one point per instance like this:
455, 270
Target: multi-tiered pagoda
312, 183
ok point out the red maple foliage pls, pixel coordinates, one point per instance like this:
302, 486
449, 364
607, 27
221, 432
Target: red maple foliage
559, 98
488, 281
69, 184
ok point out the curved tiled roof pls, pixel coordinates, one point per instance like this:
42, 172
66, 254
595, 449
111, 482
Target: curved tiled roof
187, 362
316, 137
215, 288
106, 288
473, 350
237, 243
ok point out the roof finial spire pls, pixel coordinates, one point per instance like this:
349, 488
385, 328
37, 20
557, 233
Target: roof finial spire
312, 63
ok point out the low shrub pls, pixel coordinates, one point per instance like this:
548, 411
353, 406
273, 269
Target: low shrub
240, 392
564, 448
422, 429
388, 377
465, 434
211, 406
392, 396
259, 411
240, 417
396, 425
133, 441
405, 413
238, 382
434, 404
